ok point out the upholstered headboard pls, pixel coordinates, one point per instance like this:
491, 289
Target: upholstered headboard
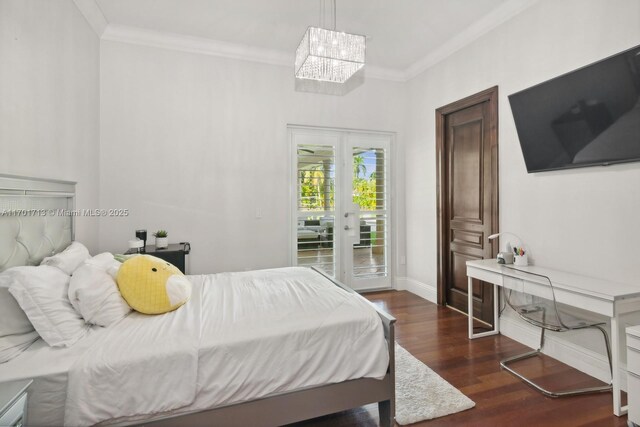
36, 219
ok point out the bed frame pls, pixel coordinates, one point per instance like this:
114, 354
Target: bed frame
27, 239
33, 224
294, 406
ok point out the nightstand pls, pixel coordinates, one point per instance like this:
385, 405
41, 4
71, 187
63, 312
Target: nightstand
13, 402
175, 254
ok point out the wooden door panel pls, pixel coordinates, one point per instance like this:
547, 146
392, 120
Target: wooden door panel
470, 238
467, 185
465, 170
459, 270
470, 225
462, 249
465, 142
457, 293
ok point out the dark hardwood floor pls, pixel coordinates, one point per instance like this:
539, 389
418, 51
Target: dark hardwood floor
438, 336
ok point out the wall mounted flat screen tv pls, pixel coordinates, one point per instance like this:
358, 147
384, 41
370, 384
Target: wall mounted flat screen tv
590, 116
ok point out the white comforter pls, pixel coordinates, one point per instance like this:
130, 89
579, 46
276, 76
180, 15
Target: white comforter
242, 336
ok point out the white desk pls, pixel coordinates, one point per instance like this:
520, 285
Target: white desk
606, 298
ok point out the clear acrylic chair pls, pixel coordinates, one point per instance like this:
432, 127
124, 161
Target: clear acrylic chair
546, 314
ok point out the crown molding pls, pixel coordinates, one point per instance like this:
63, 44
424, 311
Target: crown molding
485, 24
204, 46
93, 14
200, 45
383, 73
191, 44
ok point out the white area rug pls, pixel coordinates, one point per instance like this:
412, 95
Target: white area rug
421, 394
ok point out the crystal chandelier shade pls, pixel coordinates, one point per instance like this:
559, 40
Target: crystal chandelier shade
331, 56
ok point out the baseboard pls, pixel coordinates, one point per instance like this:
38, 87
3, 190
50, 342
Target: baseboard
580, 358
423, 290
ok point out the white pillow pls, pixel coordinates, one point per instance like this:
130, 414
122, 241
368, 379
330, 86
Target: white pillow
14, 321
69, 259
95, 296
16, 332
106, 262
42, 293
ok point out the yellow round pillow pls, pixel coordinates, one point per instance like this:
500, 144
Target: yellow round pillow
151, 285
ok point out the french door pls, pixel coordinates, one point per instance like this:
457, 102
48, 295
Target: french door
340, 204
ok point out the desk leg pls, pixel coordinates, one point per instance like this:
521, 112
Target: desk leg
496, 313
470, 306
496, 309
616, 341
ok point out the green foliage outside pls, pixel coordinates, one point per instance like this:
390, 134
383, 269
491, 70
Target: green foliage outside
364, 189
314, 186
374, 238
364, 193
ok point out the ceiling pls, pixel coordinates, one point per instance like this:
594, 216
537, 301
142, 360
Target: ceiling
400, 32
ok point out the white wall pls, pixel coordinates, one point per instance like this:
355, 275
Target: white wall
196, 144
583, 220
49, 106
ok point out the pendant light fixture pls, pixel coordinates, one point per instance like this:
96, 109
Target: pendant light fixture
327, 55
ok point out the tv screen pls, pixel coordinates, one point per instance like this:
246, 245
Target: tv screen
590, 116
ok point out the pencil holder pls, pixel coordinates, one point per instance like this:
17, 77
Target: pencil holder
521, 260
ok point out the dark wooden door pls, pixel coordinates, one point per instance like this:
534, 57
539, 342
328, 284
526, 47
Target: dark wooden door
468, 194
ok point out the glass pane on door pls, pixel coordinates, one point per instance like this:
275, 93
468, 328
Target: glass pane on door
316, 180
370, 254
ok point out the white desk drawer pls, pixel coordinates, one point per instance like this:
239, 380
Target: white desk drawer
633, 361
633, 341
484, 275
633, 397
513, 283
13, 415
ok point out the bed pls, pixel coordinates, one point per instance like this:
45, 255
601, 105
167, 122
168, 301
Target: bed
272, 347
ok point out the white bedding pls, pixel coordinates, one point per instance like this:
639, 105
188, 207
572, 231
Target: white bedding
142, 365
257, 333
48, 368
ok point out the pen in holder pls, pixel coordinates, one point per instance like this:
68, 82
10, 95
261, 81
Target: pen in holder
520, 257
508, 257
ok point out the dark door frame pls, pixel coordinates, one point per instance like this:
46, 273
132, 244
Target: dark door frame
491, 96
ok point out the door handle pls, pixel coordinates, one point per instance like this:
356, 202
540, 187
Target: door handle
352, 223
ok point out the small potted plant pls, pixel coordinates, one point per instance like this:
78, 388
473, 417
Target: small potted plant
162, 241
